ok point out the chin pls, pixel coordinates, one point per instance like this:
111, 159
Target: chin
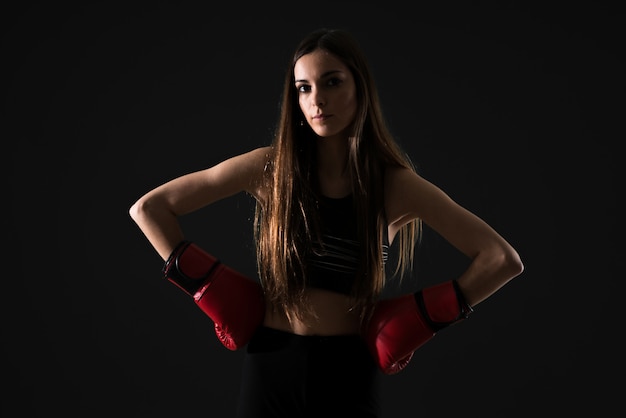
325, 133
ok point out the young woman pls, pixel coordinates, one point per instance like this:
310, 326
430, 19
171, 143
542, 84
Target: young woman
332, 190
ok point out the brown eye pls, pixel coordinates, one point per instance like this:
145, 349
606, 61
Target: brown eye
334, 81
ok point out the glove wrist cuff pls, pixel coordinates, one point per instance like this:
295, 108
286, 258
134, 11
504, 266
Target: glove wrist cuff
177, 250
465, 309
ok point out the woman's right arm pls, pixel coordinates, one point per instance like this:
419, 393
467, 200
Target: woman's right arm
156, 212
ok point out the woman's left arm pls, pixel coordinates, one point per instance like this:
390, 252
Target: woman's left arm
494, 261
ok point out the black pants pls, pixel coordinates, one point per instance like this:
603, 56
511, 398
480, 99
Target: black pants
295, 376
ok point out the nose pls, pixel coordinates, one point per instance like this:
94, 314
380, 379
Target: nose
317, 98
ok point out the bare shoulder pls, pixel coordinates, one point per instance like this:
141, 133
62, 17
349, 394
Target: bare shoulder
408, 196
397, 177
397, 184
259, 154
400, 181
254, 159
254, 164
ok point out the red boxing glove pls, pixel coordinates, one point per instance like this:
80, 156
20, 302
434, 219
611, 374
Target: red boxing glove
401, 325
233, 301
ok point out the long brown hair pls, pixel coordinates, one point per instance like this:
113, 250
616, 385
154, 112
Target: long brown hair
286, 222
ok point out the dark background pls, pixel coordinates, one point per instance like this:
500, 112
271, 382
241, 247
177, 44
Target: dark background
515, 111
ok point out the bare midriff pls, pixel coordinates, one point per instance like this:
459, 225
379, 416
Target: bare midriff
333, 316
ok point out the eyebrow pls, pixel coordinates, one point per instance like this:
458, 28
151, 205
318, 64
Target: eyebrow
326, 74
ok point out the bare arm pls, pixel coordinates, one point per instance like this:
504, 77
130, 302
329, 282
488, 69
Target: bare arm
493, 260
156, 212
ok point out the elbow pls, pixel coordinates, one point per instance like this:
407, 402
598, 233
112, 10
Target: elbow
150, 209
496, 268
513, 264
135, 210
132, 211
139, 210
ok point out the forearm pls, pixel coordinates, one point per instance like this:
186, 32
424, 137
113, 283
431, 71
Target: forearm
159, 225
488, 272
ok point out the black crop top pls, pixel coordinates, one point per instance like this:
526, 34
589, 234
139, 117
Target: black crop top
332, 266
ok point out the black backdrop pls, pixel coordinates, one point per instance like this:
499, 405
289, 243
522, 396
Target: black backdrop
515, 111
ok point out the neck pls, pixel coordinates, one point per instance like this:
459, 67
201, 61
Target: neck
332, 157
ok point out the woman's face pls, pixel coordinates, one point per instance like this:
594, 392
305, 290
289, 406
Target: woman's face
326, 93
